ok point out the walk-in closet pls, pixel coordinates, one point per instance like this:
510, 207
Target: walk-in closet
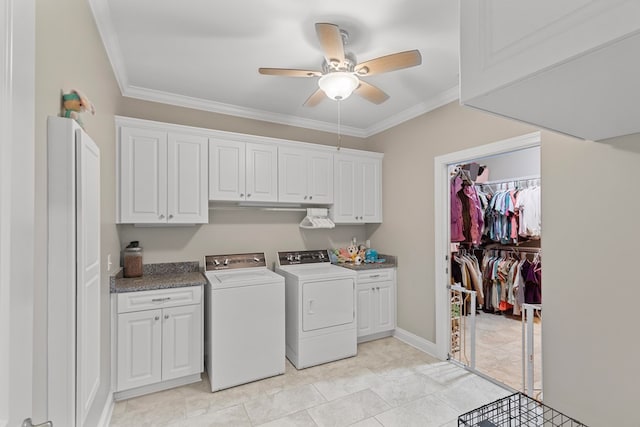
496, 267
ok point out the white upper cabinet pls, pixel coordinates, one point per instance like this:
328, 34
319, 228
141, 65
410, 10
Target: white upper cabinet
163, 177
187, 172
240, 171
357, 189
143, 175
567, 65
305, 176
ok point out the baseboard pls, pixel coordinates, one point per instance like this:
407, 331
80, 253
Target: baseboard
152, 388
373, 337
105, 418
415, 341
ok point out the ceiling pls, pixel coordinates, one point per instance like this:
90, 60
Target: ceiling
205, 54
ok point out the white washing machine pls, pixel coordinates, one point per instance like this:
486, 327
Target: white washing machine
321, 308
245, 315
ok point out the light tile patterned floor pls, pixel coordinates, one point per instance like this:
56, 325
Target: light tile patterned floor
388, 383
499, 349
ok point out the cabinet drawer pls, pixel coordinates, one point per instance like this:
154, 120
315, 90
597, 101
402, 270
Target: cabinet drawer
146, 300
375, 275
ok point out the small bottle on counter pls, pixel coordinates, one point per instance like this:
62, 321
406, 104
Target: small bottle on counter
133, 260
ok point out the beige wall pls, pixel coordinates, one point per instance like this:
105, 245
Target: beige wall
69, 54
408, 196
78, 60
589, 209
590, 333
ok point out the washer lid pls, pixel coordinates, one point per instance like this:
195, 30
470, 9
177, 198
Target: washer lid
317, 271
242, 277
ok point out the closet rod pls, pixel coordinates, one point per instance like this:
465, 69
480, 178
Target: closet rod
504, 181
512, 247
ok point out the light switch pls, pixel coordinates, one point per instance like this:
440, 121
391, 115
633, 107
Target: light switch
109, 263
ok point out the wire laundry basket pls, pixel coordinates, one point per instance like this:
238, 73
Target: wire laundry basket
517, 410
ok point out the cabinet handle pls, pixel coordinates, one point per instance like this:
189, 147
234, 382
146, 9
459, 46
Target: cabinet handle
157, 318
166, 316
305, 197
241, 194
170, 216
160, 299
161, 216
378, 288
373, 276
248, 194
310, 197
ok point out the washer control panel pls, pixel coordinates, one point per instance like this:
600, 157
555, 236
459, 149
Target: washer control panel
234, 261
303, 257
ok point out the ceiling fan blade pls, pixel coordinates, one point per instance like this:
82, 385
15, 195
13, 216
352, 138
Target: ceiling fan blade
395, 61
371, 93
315, 98
331, 42
288, 72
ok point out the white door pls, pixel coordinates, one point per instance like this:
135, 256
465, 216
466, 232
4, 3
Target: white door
344, 207
187, 173
385, 306
292, 175
365, 309
17, 183
262, 173
320, 177
327, 303
369, 177
143, 175
139, 349
227, 162
181, 341
88, 274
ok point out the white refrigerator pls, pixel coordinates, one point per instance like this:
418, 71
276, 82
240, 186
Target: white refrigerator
73, 272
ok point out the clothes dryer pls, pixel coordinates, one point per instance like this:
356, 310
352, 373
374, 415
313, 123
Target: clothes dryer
320, 307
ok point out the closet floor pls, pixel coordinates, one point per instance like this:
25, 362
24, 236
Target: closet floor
499, 349
388, 383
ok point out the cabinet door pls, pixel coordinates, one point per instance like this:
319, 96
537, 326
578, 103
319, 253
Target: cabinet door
365, 310
320, 177
181, 341
345, 208
187, 173
292, 175
262, 173
370, 179
385, 306
139, 349
227, 161
143, 176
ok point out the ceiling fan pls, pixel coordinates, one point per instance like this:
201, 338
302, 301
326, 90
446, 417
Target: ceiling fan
341, 75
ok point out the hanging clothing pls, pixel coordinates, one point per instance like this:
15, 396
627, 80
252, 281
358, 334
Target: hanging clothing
457, 233
467, 212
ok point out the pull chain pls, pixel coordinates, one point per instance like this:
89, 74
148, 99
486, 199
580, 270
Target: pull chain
339, 135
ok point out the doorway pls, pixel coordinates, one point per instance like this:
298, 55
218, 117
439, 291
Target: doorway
495, 341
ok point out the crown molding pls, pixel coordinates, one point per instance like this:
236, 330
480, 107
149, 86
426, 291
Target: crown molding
102, 16
437, 101
234, 110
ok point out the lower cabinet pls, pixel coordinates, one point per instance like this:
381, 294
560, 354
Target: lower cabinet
376, 296
156, 346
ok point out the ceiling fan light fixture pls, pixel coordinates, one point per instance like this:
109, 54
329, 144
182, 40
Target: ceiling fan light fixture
338, 85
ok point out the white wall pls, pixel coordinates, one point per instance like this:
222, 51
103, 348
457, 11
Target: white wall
517, 164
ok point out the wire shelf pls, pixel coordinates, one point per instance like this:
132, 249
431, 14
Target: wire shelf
517, 410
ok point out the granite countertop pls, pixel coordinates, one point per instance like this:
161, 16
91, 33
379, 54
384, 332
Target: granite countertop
390, 262
160, 276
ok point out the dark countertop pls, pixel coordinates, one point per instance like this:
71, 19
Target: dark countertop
160, 276
390, 262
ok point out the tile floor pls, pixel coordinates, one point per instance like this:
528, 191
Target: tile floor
499, 349
388, 383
